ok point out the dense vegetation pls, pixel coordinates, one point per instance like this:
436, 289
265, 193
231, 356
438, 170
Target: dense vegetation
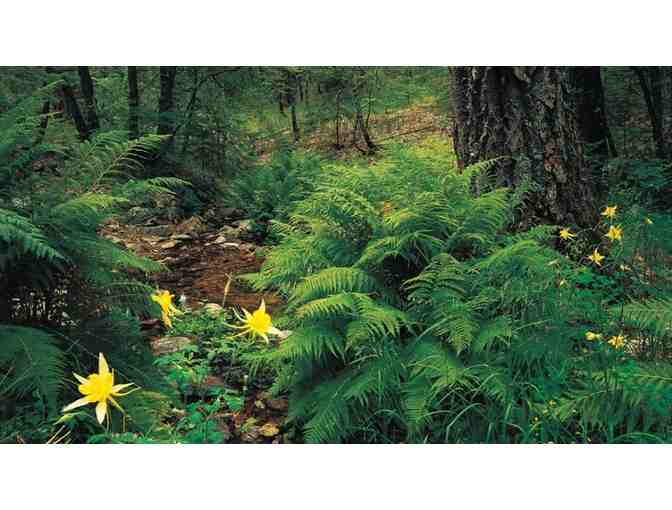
463, 255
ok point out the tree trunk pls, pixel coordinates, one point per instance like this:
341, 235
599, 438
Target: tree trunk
360, 81
44, 122
295, 123
133, 104
166, 124
338, 121
591, 112
73, 111
86, 85
526, 117
650, 83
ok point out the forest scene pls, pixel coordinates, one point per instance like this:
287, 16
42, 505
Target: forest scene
335, 255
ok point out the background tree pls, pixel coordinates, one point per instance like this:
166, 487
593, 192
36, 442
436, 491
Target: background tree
133, 104
591, 111
166, 125
88, 93
651, 82
525, 116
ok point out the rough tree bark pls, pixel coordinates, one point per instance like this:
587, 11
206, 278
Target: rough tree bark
86, 86
133, 104
526, 117
591, 112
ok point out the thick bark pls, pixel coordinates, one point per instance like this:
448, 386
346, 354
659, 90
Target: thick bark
650, 83
166, 125
525, 116
86, 86
591, 112
133, 104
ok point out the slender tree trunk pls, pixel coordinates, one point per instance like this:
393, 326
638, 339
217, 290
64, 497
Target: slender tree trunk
653, 97
290, 89
166, 124
73, 111
360, 80
295, 123
86, 85
133, 104
338, 120
591, 112
44, 122
526, 117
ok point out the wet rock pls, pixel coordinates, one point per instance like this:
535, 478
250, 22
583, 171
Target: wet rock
278, 404
213, 309
138, 215
251, 434
244, 225
192, 226
230, 213
166, 245
156, 230
269, 430
181, 237
171, 344
229, 232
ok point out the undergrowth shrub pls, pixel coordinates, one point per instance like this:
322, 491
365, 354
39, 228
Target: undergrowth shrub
268, 191
418, 317
66, 293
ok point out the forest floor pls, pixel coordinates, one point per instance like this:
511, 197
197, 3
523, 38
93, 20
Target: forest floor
202, 262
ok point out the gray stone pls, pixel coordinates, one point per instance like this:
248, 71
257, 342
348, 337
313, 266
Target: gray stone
171, 344
213, 308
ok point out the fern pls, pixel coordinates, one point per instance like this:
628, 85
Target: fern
31, 360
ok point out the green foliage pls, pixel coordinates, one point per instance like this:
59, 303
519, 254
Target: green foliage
266, 191
68, 293
31, 361
424, 320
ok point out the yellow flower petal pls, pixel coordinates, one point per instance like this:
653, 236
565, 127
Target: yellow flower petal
80, 378
102, 365
101, 411
77, 403
120, 387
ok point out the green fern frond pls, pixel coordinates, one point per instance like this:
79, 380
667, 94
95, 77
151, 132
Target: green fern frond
30, 359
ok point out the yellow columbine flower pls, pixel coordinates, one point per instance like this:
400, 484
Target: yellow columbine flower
593, 336
99, 388
165, 301
566, 234
258, 323
610, 212
617, 341
615, 233
596, 257
648, 221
